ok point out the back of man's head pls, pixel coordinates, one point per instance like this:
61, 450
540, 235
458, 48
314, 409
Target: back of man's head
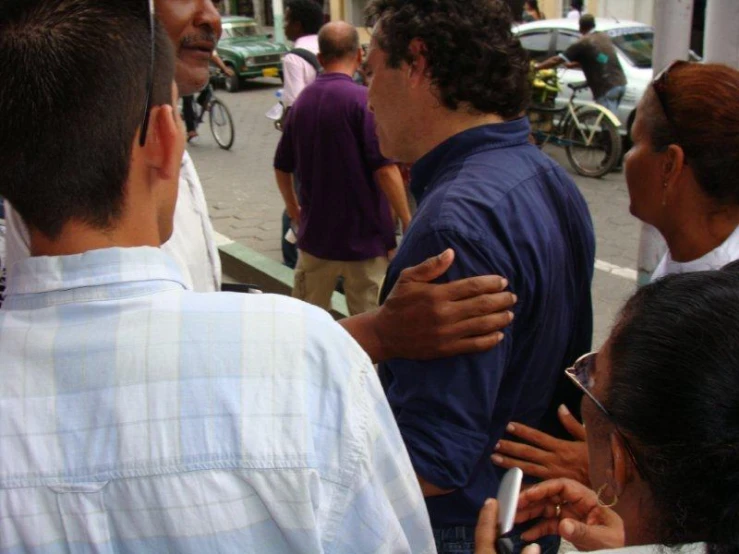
587, 23
308, 13
72, 96
338, 41
473, 58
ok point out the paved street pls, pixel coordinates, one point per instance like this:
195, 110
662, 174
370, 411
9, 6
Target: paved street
246, 206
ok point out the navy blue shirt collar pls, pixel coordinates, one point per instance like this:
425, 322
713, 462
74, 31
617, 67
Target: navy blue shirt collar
462, 145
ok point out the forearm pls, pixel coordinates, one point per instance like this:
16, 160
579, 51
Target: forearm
429, 489
363, 329
554, 61
390, 181
285, 184
219, 62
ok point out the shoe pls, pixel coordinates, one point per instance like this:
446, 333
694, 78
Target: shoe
193, 137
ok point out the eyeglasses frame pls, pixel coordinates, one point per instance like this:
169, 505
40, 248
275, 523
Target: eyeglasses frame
572, 372
149, 76
659, 84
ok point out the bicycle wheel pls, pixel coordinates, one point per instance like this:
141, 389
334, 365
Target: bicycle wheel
593, 144
221, 124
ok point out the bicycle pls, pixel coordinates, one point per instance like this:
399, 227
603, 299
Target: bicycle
588, 132
221, 122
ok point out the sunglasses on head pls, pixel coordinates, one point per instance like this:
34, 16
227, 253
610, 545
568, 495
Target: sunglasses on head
149, 76
659, 84
581, 374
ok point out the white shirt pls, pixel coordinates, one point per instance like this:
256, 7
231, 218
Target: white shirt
717, 258
574, 14
138, 416
192, 243
298, 73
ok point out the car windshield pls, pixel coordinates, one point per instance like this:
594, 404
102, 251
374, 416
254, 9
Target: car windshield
242, 30
635, 43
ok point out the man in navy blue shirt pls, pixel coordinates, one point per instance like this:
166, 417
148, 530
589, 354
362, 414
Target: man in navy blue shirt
448, 84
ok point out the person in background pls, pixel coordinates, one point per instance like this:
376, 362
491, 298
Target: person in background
576, 10
329, 143
681, 177
188, 109
531, 11
597, 57
447, 82
300, 66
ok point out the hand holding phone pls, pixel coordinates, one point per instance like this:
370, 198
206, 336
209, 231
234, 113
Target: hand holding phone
510, 487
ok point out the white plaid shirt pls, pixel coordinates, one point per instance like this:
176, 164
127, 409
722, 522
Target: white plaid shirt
138, 416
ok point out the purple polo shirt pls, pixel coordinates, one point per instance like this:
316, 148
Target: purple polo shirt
329, 142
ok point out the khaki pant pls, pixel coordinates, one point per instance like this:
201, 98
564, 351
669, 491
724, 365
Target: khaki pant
315, 280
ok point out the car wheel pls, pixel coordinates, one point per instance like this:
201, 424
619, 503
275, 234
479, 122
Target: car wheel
232, 83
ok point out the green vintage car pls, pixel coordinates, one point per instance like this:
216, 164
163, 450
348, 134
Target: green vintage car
248, 51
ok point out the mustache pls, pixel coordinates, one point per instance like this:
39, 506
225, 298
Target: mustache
206, 36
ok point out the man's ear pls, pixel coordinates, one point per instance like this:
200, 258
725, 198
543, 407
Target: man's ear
165, 142
418, 65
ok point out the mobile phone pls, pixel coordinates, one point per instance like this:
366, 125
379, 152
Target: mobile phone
510, 486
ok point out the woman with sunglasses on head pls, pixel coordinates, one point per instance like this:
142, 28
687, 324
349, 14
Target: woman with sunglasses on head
682, 170
681, 173
662, 418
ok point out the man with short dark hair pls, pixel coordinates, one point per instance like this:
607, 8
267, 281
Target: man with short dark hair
138, 415
300, 66
598, 58
448, 83
330, 145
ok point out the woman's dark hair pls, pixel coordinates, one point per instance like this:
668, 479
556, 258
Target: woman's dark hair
674, 392
703, 103
72, 96
577, 5
308, 12
534, 5
472, 56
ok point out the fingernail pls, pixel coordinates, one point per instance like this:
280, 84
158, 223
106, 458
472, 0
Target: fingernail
515, 298
504, 282
488, 501
568, 528
499, 336
563, 409
497, 445
497, 458
511, 315
510, 427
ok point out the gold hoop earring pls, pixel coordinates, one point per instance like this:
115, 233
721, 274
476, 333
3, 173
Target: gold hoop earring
612, 503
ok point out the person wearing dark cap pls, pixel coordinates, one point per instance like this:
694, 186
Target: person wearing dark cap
597, 57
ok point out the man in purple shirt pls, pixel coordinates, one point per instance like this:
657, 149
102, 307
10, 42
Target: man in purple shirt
329, 143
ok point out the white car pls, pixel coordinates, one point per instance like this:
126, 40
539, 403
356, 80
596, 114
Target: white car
633, 41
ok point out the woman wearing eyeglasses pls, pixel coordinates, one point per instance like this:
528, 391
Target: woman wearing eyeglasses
682, 176
661, 411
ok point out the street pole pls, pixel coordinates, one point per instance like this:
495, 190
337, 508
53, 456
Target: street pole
672, 25
277, 12
721, 43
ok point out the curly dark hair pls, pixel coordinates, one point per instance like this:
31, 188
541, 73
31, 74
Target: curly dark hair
472, 55
308, 12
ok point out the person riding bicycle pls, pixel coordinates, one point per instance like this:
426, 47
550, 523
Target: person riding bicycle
595, 53
188, 109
